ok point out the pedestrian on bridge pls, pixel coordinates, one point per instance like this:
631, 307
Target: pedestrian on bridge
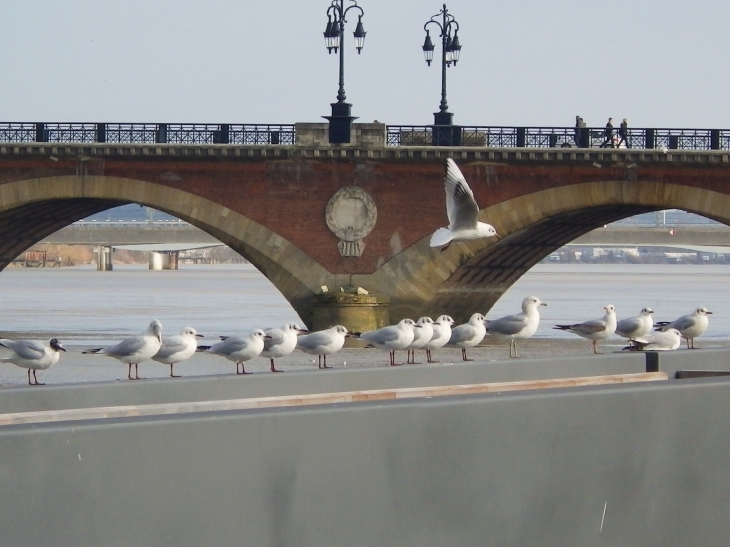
623, 132
579, 125
608, 143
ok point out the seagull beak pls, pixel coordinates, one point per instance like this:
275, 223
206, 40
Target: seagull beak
302, 330
543, 304
267, 336
61, 347
497, 236
709, 313
199, 336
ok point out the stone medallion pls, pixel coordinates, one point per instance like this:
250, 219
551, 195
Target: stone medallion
351, 215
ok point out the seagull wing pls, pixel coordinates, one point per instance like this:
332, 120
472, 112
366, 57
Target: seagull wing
171, 345
683, 323
590, 327
127, 347
26, 349
314, 340
381, 336
512, 324
626, 327
461, 207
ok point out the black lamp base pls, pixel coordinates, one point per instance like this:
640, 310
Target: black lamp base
340, 123
444, 132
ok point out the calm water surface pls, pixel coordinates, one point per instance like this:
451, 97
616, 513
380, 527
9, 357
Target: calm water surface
86, 308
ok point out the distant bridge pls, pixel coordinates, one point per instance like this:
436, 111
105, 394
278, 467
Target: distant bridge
108, 234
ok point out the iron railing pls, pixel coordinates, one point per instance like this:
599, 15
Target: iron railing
397, 135
556, 137
140, 133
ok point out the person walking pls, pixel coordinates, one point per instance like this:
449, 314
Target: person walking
579, 125
623, 132
608, 143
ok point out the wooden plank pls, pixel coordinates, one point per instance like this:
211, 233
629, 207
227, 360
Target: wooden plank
317, 399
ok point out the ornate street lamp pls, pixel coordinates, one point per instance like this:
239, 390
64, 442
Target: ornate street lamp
450, 52
341, 117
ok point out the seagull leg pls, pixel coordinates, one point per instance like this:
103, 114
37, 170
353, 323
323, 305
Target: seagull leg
414, 358
129, 372
29, 382
595, 348
392, 359
463, 355
428, 355
172, 375
136, 372
36, 380
325, 361
445, 246
273, 367
319, 364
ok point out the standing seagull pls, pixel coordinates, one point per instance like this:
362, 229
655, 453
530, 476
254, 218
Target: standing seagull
323, 343
33, 355
392, 338
668, 340
420, 337
175, 349
239, 348
136, 349
462, 210
690, 326
468, 335
598, 329
636, 327
280, 342
441, 335
520, 326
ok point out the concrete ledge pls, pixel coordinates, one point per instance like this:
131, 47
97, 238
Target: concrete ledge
98, 413
224, 387
671, 362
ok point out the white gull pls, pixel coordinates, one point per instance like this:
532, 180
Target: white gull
32, 355
135, 349
519, 326
462, 210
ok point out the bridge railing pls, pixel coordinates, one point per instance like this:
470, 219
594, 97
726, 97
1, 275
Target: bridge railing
140, 133
397, 135
556, 137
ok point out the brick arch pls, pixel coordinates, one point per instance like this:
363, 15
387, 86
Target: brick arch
32, 209
473, 275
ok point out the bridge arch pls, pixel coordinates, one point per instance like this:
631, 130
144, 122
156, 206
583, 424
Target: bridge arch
473, 275
32, 209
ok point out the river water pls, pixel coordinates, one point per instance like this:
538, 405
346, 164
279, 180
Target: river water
85, 308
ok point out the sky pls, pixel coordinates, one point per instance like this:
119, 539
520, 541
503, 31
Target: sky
661, 64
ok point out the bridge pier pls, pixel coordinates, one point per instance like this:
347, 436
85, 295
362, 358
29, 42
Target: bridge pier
104, 258
167, 260
357, 312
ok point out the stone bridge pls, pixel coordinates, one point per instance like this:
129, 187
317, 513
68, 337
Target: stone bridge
313, 214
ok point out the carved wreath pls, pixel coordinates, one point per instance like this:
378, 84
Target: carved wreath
351, 215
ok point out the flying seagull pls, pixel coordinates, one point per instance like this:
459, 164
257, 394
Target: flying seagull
462, 210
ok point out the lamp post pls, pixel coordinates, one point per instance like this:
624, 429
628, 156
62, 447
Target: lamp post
450, 52
341, 118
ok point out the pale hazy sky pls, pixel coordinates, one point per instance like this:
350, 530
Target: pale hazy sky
523, 62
